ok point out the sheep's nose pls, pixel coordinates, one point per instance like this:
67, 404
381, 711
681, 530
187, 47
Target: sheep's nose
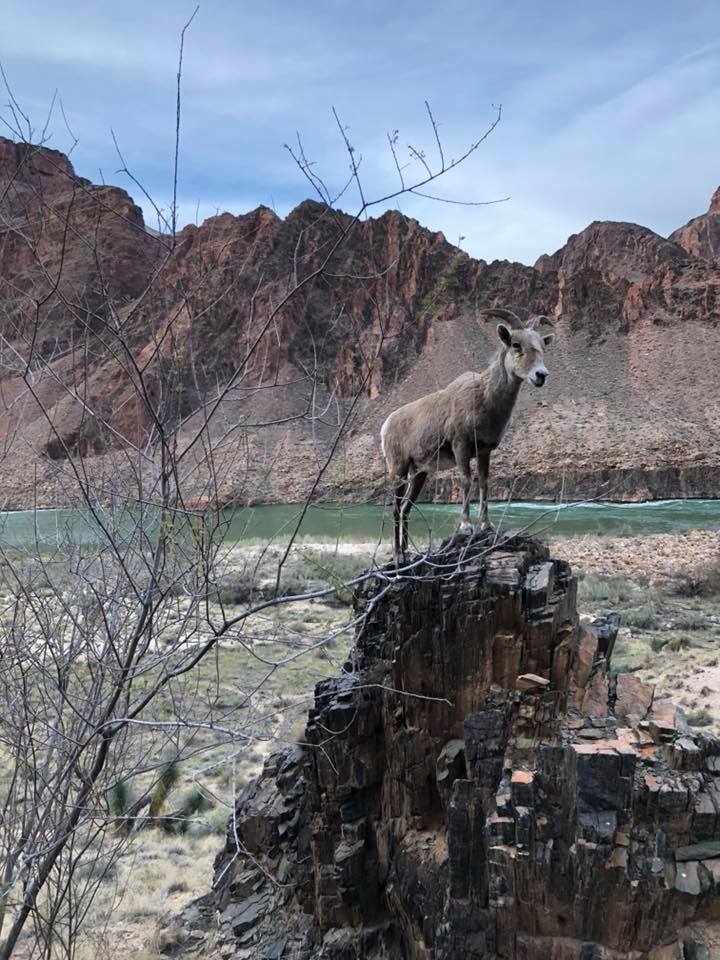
540, 378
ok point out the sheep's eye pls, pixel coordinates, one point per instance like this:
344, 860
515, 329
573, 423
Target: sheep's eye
517, 348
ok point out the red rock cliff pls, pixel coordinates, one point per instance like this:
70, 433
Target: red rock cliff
630, 408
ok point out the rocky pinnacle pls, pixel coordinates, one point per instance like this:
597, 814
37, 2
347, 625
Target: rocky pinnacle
478, 784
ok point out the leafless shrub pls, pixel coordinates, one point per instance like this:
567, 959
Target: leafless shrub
111, 632
703, 582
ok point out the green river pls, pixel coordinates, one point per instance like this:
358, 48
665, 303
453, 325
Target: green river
362, 523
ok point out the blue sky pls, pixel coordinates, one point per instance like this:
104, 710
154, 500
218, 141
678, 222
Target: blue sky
610, 110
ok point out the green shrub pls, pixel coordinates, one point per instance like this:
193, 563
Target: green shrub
690, 620
120, 798
623, 668
217, 820
642, 618
236, 590
244, 588
335, 570
699, 718
345, 565
307, 572
194, 802
169, 776
614, 589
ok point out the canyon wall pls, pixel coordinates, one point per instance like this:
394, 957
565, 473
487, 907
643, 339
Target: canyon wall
386, 312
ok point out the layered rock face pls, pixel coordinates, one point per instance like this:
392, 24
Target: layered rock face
390, 311
476, 784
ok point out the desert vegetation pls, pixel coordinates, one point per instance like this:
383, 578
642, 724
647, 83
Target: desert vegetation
153, 834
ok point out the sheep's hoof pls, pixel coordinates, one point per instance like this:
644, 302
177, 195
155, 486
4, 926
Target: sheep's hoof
466, 529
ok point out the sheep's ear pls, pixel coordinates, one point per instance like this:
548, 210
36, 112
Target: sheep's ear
548, 338
504, 334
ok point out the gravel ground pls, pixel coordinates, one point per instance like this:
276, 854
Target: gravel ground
660, 557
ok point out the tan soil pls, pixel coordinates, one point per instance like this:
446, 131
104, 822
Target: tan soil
658, 557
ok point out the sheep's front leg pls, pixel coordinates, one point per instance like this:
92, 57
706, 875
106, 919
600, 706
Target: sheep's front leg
400, 491
483, 462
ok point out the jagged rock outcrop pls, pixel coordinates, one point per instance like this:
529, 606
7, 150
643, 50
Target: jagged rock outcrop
701, 235
620, 251
476, 784
390, 314
71, 246
622, 273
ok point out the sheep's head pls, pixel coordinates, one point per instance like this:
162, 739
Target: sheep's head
524, 345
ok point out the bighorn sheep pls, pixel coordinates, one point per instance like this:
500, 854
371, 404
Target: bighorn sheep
466, 419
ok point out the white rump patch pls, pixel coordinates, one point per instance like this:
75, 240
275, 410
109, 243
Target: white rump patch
383, 429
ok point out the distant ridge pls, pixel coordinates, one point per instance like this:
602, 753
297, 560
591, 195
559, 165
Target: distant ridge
631, 407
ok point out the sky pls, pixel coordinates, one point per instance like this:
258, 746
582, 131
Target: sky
610, 111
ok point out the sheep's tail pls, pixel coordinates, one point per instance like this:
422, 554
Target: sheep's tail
383, 430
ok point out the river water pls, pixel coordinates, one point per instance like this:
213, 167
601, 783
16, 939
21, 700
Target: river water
347, 523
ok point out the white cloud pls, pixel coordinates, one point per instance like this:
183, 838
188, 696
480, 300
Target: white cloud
609, 110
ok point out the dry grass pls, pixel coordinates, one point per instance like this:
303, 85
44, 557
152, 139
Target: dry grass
154, 879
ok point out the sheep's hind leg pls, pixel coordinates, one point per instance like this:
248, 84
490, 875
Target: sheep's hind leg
415, 485
400, 493
483, 462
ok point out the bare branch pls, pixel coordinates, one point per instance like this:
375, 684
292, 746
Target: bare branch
177, 123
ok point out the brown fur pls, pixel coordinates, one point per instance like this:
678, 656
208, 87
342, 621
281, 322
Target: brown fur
464, 420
